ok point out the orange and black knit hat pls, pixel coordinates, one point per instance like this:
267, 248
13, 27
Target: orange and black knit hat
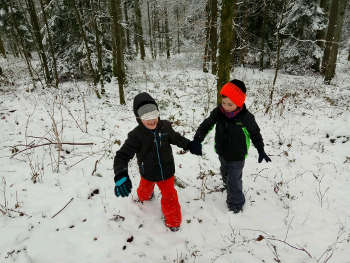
235, 90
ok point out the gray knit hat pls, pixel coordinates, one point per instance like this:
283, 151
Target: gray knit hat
148, 112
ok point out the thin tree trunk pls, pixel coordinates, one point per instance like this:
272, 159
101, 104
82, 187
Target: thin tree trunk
321, 34
88, 52
118, 60
2, 48
51, 48
128, 43
136, 43
333, 54
234, 39
206, 57
244, 49
100, 75
154, 32
139, 28
349, 55
178, 29
167, 37
279, 44
262, 40
213, 34
38, 39
225, 45
150, 31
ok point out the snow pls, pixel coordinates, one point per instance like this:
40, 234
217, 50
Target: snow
298, 204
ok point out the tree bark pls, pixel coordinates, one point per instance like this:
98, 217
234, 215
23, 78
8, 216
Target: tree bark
206, 57
333, 53
118, 59
150, 31
167, 33
38, 39
213, 34
178, 28
225, 45
51, 48
2, 48
128, 43
331, 31
321, 34
139, 28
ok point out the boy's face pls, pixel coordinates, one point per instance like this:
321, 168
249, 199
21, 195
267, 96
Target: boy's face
150, 124
228, 105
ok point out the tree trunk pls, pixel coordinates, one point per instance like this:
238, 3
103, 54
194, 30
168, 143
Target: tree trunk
244, 41
167, 33
279, 44
38, 39
2, 48
51, 48
349, 55
339, 20
262, 40
150, 31
321, 34
88, 52
225, 45
332, 27
213, 34
155, 32
136, 43
234, 39
206, 57
128, 43
139, 28
178, 29
118, 59
100, 75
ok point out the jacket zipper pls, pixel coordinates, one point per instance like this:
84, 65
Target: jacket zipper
160, 165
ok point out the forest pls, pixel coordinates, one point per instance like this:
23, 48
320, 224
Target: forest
69, 73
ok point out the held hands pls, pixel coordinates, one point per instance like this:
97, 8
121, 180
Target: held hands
123, 186
195, 147
263, 155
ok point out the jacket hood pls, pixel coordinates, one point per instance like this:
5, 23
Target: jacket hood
140, 100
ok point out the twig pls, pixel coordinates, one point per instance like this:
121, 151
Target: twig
63, 207
284, 242
95, 168
31, 146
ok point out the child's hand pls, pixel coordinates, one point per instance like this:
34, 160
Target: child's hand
263, 155
123, 186
195, 147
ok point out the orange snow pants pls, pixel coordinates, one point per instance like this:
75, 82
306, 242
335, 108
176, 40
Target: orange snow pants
170, 204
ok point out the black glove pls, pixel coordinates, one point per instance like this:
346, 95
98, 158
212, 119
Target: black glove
195, 147
263, 155
122, 184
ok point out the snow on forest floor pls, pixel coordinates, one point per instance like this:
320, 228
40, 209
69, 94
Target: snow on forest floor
297, 207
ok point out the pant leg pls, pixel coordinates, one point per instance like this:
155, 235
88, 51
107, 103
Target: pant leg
145, 189
235, 195
223, 171
170, 204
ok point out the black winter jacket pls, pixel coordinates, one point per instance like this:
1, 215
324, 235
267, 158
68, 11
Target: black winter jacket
232, 136
152, 147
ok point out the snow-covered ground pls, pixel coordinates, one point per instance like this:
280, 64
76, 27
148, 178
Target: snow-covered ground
297, 209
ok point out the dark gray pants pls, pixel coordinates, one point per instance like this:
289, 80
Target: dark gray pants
231, 173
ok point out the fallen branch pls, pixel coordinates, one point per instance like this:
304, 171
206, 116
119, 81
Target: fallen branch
32, 146
63, 207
